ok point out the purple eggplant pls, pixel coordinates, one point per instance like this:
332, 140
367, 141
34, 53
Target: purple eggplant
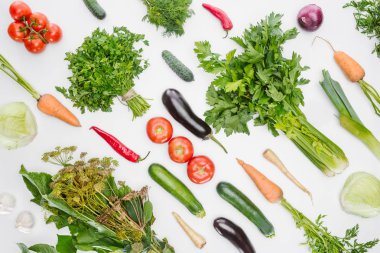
234, 234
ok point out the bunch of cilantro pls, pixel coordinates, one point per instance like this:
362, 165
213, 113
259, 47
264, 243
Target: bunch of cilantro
103, 68
260, 84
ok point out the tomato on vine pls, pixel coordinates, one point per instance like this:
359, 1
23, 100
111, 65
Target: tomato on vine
19, 11
53, 33
37, 21
18, 31
34, 44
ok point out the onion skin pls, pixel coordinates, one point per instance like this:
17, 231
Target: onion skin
310, 17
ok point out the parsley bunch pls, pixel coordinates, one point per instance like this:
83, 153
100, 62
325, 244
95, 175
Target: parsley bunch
170, 14
260, 84
104, 68
367, 16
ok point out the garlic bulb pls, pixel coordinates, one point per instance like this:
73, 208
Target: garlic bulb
7, 203
25, 222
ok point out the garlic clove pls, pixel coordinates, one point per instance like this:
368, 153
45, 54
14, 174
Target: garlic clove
7, 203
25, 222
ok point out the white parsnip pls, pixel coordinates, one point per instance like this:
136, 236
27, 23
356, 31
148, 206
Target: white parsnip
273, 158
198, 240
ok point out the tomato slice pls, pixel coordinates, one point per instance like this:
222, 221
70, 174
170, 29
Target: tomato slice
200, 169
180, 149
159, 130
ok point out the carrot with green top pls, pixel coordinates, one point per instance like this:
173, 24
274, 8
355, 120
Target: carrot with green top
355, 73
46, 103
318, 238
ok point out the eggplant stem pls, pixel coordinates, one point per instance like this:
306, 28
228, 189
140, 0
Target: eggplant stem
212, 137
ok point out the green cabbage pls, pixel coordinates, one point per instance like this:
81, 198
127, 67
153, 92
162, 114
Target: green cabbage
361, 195
17, 125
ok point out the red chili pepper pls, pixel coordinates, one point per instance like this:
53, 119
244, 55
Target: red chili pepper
118, 146
221, 15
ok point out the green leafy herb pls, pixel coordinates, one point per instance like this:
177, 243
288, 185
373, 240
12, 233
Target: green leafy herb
104, 68
260, 84
101, 215
367, 16
319, 238
170, 14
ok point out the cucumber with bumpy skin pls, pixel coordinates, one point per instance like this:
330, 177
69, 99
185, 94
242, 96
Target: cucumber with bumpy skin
177, 66
243, 204
95, 8
176, 188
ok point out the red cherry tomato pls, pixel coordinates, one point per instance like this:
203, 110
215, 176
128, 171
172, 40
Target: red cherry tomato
18, 10
17, 31
38, 21
159, 130
34, 44
53, 33
180, 149
200, 169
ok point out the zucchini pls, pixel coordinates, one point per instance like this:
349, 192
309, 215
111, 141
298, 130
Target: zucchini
176, 188
177, 66
242, 203
95, 8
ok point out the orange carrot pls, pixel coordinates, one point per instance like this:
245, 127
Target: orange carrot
355, 73
271, 191
351, 68
50, 105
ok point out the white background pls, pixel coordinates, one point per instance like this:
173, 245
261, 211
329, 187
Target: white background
49, 69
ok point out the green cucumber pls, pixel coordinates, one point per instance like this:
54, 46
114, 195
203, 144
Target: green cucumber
176, 188
95, 8
242, 203
177, 66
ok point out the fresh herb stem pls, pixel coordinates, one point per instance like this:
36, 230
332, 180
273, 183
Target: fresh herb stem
319, 239
8, 69
138, 105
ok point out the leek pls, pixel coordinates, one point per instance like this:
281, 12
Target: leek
348, 118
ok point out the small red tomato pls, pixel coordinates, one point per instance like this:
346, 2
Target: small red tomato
38, 21
18, 31
159, 130
53, 33
18, 10
34, 44
200, 169
180, 149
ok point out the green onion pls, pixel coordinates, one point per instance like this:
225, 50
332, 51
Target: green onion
348, 117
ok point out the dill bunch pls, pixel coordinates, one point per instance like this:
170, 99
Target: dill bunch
169, 14
367, 16
84, 197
